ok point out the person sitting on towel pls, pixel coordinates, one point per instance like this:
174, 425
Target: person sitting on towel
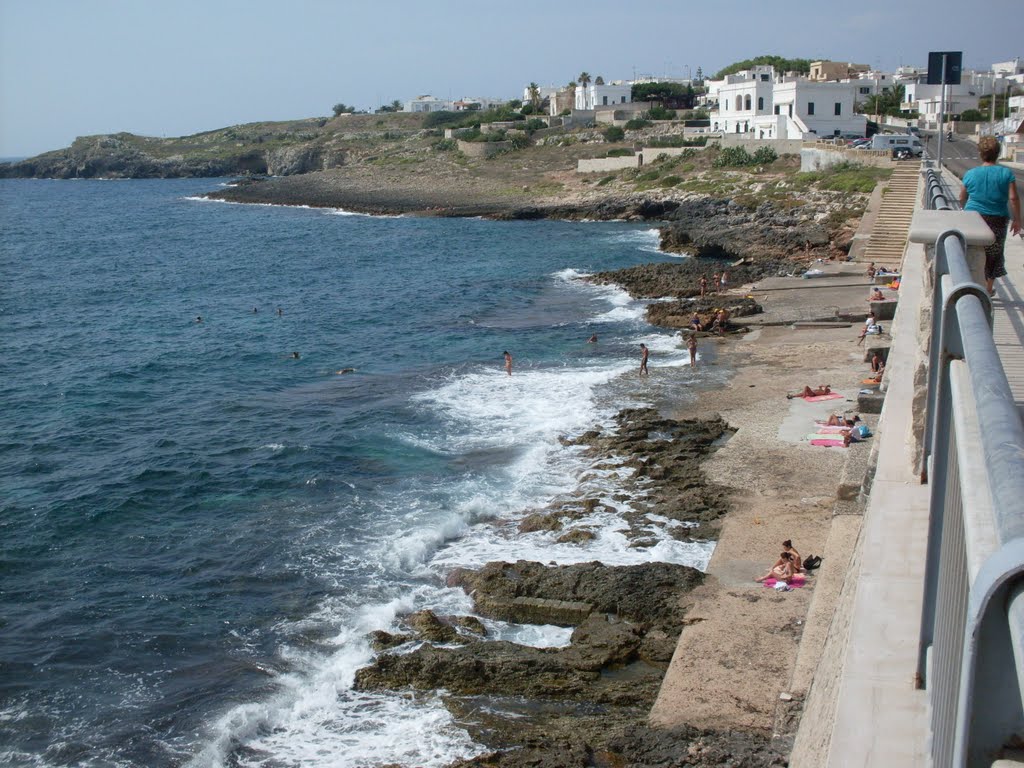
823, 389
798, 562
876, 295
781, 571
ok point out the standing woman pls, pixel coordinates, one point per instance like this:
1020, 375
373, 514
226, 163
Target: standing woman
989, 189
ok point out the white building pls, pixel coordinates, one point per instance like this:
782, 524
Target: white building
427, 104
603, 95
927, 100
757, 104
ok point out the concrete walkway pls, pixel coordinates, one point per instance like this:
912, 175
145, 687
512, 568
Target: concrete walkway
874, 715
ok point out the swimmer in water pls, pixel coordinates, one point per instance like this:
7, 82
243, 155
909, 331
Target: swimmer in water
508, 362
592, 339
343, 371
199, 318
643, 360
295, 355
280, 312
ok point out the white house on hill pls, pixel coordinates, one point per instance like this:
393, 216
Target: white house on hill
426, 104
603, 95
759, 105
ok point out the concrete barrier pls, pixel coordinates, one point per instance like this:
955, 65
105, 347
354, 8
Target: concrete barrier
815, 157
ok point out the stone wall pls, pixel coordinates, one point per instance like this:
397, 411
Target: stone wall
604, 164
818, 156
781, 146
483, 148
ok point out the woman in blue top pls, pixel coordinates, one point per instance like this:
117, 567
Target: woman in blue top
989, 189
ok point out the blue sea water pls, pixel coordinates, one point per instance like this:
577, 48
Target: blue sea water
199, 530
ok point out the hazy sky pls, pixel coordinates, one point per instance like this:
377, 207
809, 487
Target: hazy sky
173, 67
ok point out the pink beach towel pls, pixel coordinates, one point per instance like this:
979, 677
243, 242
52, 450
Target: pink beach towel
796, 582
820, 398
828, 442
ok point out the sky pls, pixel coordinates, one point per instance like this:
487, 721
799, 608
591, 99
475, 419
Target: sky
72, 68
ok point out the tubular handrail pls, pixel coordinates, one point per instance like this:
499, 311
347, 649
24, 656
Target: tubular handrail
971, 653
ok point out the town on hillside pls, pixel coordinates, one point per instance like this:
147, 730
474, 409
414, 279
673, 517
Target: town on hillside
780, 100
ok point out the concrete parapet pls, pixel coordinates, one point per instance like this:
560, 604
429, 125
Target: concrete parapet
816, 157
883, 310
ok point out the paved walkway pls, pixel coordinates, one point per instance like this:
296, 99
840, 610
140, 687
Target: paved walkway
1008, 315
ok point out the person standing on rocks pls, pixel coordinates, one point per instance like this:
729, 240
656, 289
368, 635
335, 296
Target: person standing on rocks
724, 281
644, 353
691, 344
703, 285
715, 279
508, 362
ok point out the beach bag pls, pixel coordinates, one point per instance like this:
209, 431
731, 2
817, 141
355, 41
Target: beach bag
811, 562
862, 430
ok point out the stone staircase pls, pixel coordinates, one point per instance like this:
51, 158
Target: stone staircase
888, 238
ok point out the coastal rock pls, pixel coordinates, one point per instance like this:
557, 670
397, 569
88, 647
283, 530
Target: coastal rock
429, 627
646, 594
304, 158
382, 641
709, 227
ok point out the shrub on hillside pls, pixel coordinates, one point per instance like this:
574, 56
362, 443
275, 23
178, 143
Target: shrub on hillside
658, 112
613, 133
764, 156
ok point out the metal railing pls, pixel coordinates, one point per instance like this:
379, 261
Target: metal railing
971, 654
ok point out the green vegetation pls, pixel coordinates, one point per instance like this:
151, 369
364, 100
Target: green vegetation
845, 177
445, 145
613, 133
394, 106
738, 156
803, 66
887, 102
669, 181
606, 180
341, 108
972, 115
670, 94
658, 112
677, 140
619, 152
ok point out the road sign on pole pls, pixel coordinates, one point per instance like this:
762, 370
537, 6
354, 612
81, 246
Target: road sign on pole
944, 66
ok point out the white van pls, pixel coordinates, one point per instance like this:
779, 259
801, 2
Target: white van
897, 141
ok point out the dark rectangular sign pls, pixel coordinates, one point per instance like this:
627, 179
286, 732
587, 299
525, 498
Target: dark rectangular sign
954, 61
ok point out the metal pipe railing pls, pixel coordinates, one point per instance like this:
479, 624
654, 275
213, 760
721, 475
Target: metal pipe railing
971, 655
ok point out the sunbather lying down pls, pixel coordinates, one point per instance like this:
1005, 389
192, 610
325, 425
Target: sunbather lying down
823, 389
842, 420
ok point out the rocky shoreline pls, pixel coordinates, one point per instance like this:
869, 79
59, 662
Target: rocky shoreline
584, 704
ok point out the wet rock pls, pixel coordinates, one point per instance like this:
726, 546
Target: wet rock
383, 641
471, 624
646, 594
577, 536
539, 521
429, 627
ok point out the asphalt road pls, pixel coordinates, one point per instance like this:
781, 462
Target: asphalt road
959, 155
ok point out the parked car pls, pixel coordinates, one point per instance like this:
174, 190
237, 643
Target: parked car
897, 141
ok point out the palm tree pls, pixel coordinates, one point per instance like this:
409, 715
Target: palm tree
534, 91
584, 80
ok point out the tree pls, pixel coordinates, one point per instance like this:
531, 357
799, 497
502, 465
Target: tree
803, 66
888, 101
700, 75
534, 91
394, 106
584, 80
599, 80
341, 107
614, 133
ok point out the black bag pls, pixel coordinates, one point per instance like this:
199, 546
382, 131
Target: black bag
811, 562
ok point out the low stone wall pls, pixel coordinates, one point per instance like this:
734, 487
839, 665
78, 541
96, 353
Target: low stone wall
818, 156
483, 148
650, 154
454, 133
604, 164
781, 146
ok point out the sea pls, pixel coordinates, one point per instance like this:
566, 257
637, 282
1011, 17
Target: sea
203, 514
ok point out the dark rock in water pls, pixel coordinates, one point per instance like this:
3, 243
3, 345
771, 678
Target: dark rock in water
577, 536
471, 624
429, 627
682, 280
538, 521
382, 641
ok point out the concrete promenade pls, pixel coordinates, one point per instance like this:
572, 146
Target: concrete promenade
874, 715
